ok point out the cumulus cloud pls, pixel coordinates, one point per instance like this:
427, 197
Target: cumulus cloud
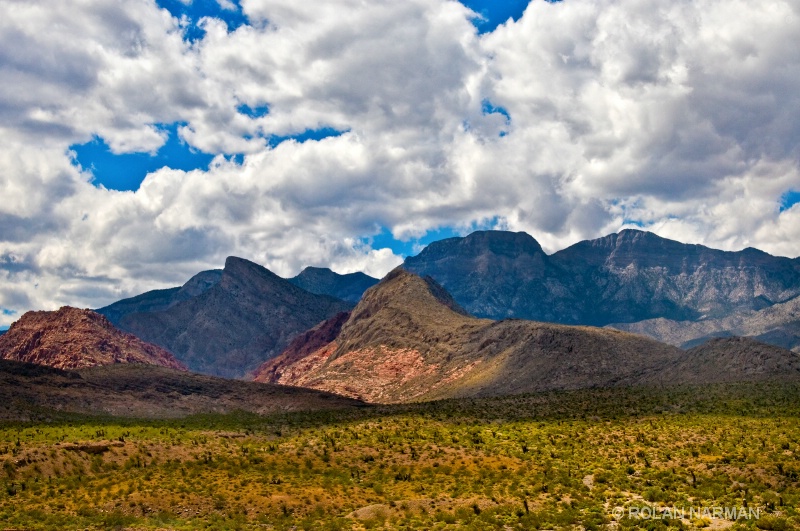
578, 119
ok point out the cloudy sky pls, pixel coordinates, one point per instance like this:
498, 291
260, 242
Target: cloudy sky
142, 141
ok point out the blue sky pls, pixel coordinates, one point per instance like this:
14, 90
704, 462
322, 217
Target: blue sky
349, 134
126, 171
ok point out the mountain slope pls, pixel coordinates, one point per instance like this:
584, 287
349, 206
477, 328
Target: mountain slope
144, 391
247, 317
735, 359
323, 281
625, 277
408, 340
73, 339
162, 299
778, 325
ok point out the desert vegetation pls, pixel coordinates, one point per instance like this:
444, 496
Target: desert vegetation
567, 460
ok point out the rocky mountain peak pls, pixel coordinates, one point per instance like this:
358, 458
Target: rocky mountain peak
228, 330
200, 283
402, 307
243, 269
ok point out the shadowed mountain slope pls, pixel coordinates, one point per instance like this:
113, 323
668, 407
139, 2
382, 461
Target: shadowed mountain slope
408, 340
34, 392
625, 277
232, 327
162, 299
735, 359
74, 339
323, 281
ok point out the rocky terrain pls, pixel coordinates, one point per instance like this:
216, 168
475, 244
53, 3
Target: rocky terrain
74, 339
621, 278
323, 281
408, 340
232, 326
30, 392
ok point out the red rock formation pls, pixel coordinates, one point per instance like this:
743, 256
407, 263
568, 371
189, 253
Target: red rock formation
74, 339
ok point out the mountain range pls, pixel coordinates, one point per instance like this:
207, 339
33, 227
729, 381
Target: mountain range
490, 313
621, 278
225, 323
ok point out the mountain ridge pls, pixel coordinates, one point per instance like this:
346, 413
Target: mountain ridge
626, 277
236, 324
778, 325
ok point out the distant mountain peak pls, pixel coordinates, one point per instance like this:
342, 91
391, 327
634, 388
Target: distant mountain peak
505, 243
323, 281
235, 266
629, 238
314, 270
229, 329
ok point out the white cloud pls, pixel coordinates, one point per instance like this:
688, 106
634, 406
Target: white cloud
681, 117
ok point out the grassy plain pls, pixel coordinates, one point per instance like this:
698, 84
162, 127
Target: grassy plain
568, 460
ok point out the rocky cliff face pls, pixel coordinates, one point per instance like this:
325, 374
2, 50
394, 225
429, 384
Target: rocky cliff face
407, 340
323, 281
229, 329
497, 275
637, 275
621, 278
74, 339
